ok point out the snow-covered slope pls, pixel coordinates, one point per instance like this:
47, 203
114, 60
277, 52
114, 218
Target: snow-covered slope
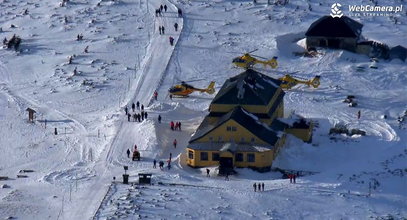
128, 60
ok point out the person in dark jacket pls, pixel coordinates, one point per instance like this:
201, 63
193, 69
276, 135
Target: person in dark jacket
133, 106
254, 186
142, 107
159, 119
162, 30
128, 116
176, 27
145, 115
262, 187
128, 153
171, 41
154, 164
126, 110
165, 8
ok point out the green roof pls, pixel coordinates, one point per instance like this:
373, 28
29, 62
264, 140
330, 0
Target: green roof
247, 88
245, 119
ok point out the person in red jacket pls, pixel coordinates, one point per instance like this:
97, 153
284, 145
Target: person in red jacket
172, 125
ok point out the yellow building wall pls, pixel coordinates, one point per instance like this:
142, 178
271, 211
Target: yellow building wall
303, 134
262, 159
228, 135
197, 162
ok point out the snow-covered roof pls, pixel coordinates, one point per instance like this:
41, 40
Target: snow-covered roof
247, 88
232, 147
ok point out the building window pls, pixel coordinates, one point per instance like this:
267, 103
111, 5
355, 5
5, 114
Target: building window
251, 158
239, 157
215, 156
190, 154
204, 155
231, 128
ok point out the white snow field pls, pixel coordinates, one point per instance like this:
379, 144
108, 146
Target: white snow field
128, 60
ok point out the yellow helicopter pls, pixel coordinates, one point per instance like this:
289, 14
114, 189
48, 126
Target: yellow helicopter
289, 82
184, 89
247, 61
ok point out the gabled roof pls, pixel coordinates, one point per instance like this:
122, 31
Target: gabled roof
328, 26
245, 119
247, 88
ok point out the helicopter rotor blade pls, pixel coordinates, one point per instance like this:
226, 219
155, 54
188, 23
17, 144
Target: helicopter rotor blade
253, 51
259, 57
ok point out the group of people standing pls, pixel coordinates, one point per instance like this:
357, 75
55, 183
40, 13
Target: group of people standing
175, 126
292, 177
138, 117
259, 187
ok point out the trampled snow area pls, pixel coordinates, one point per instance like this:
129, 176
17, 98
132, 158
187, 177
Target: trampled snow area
128, 60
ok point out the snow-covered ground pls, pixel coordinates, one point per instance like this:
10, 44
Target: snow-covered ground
128, 60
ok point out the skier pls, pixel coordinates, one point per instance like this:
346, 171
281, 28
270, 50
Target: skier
165, 8
171, 96
291, 177
145, 115
142, 107
171, 41
172, 125
179, 125
156, 14
161, 7
155, 95
262, 187
133, 106
169, 164
163, 30
139, 117
161, 164
174, 143
294, 177
128, 153
159, 119
142, 116
258, 187
176, 27
359, 114
128, 117
135, 117
126, 110
254, 186
138, 105
207, 172
159, 29
154, 164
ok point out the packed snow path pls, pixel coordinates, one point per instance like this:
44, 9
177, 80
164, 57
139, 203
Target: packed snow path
149, 76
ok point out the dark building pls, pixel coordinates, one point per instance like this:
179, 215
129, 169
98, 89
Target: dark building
337, 33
